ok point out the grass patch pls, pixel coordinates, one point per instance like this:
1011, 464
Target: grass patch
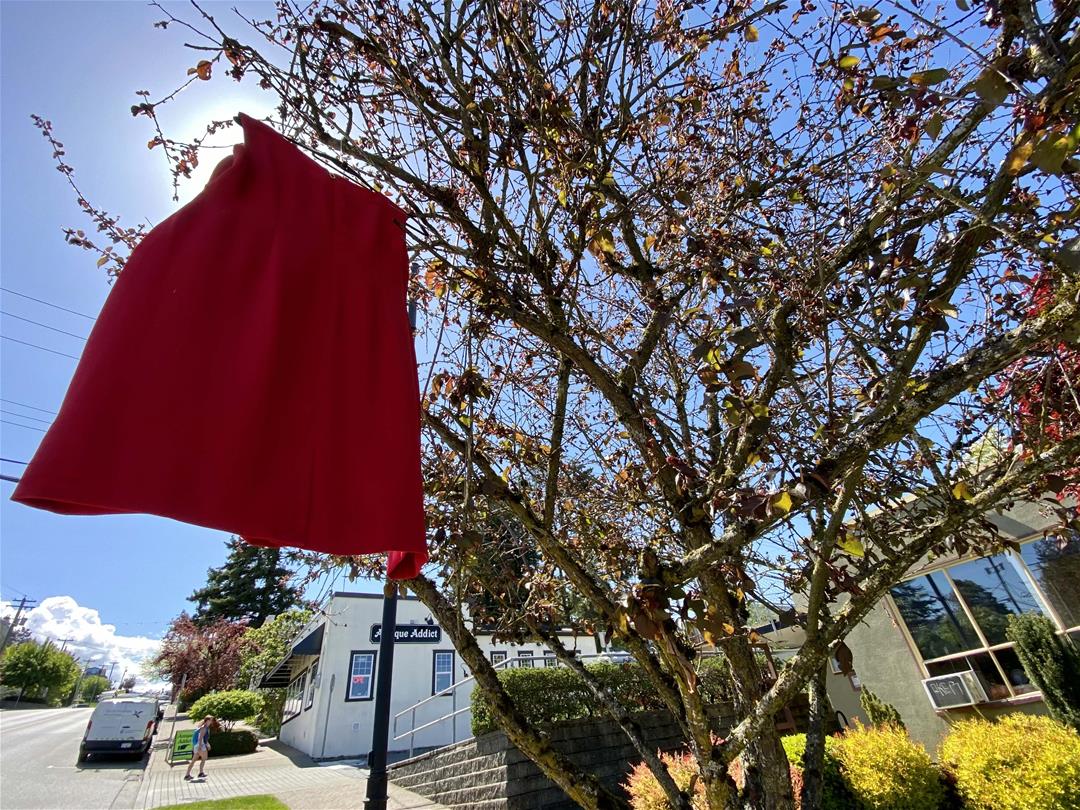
261, 802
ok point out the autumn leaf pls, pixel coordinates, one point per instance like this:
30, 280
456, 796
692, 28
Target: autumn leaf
751, 33
851, 544
782, 501
1018, 157
202, 70
962, 492
991, 87
848, 62
925, 78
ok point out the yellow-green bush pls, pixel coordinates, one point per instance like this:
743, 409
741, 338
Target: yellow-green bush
1020, 762
834, 794
886, 770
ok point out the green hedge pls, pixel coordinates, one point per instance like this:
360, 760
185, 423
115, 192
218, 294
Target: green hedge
231, 743
552, 694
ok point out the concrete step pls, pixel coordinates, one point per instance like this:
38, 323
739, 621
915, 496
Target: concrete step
470, 796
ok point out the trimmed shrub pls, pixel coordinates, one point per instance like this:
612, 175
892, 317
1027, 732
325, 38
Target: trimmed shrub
1052, 664
886, 770
835, 794
878, 711
231, 743
552, 694
1020, 762
228, 707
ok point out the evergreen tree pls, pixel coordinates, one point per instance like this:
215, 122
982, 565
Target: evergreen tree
1052, 663
250, 586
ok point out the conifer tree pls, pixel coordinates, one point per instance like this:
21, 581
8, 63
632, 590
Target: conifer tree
250, 586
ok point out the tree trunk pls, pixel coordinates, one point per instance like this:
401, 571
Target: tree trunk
767, 778
813, 763
582, 787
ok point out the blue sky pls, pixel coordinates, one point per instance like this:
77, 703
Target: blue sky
79, 64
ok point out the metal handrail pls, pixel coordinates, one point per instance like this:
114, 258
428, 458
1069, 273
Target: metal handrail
508, 663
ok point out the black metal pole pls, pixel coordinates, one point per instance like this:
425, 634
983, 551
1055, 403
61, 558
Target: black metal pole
376, 783
380, 736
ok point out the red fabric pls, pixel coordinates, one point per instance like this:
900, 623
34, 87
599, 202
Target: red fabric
253, 370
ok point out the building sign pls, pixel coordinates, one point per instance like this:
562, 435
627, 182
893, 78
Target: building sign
410, 634
947, 691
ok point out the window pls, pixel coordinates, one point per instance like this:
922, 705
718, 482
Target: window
525, 659
314, 671
442, 671
957, 617
1054, 562
550, 660
294, 694
497, 657
361, 675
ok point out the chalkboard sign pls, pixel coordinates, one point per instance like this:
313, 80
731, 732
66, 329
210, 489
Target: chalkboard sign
410, 634
950, 691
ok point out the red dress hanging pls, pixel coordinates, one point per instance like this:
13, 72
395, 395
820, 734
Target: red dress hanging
253, 370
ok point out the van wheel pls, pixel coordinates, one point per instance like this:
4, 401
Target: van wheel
83, 756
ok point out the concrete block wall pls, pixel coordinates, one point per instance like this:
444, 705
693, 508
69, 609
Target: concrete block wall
489, 773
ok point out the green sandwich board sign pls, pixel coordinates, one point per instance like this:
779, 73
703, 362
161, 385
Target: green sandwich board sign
181, 747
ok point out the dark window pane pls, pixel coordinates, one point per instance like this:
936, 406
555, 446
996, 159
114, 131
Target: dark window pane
1014, 671
982, 665
934, 617
994, 589
1055, 563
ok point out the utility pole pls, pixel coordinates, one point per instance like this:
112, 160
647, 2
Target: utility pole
111, 668
14, 622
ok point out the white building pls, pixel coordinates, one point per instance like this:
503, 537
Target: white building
331, 671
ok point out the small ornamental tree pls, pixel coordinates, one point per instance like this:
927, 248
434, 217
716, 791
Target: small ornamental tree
1052, 663
707, 291
227, 707
261, 650
878, 712
209, 655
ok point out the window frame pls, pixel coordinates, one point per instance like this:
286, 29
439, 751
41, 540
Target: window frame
526, 655
309, 697
984, 648
300, 679
374, 654
435, 672
496, 661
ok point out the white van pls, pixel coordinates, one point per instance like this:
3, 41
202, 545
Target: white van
121, 725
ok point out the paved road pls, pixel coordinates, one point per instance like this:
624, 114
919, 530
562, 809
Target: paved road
38, 768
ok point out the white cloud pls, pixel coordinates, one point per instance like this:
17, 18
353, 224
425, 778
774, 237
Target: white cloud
89, 639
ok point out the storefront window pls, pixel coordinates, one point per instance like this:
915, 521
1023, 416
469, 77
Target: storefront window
994, 589
934, 616
361, 675
442, 671
1054, 562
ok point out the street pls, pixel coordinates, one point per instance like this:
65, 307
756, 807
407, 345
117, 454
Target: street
38, 767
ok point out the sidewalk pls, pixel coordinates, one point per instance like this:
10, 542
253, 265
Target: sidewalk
294, 778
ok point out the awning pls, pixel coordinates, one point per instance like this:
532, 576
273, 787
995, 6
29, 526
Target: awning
282, 674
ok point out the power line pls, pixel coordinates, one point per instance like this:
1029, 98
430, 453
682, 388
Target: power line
35, 346
14, 461
28, 427
24, 405
43, 325
49, 304
24, 416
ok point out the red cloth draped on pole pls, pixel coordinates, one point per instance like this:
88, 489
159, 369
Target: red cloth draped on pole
253, 370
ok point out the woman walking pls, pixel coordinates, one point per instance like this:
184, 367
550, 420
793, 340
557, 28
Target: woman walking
200, 747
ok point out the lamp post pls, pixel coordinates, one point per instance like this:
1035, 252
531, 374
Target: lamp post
377, 781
